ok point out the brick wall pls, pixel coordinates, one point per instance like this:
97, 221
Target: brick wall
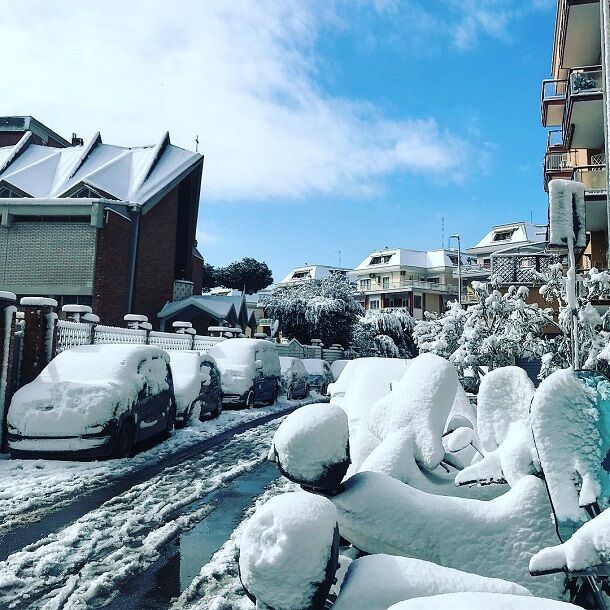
112, 270
154, 284
8, 138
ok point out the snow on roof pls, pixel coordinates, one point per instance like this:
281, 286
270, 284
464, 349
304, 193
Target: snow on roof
136, 175
218, 306
404, 257
313, 272
511, 234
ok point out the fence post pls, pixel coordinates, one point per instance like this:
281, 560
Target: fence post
193, 333
138, 322
93, 321
38, 336
7, 323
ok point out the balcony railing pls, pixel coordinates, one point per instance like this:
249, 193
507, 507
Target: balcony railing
408, 285
594, 177
522, 269
552, 101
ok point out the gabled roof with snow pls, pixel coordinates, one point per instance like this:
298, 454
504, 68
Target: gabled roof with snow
510, 235
139, 175
404, 257
313, 272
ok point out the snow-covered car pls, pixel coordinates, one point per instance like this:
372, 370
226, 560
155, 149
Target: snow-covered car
196, 386
250, 371
337, 367
94, 401
320, 375
295, 378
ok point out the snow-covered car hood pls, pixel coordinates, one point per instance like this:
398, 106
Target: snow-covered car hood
59, 409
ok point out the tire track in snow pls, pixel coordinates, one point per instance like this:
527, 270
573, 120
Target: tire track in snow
83, 565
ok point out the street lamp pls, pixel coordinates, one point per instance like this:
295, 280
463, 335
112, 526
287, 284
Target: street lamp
456, 236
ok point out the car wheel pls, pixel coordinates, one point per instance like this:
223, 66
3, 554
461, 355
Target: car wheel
289, 393
250, 399
169, 424
218, 410
274, 396
123, 444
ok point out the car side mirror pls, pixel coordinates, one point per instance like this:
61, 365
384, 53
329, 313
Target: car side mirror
460, 439
258, 364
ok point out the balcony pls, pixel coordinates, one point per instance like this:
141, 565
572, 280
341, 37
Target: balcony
583, 117
552, 101
521, 269
594, 177
408, 286
577, 34
558, 162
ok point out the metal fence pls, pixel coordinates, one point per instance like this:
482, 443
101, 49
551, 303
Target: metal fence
70, 334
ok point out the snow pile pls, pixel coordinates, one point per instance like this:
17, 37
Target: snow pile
375, 582
286, 551
587, 548
367, 380
85, 387
479, 601
462, 407
494, 538
411, 419
504, 397
564, 421
514, 459
567, 213
311, 446
189, 377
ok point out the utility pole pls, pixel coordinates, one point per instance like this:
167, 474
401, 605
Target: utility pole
456, 236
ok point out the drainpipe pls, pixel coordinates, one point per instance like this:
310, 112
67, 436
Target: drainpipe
605, 34
134, 239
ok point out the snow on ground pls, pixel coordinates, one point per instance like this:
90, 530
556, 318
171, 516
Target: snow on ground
217, 586
29, 489
84, 564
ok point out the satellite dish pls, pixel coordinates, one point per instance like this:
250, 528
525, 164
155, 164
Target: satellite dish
274, 327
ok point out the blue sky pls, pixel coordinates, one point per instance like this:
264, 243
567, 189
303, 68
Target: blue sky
486, 93
326, 126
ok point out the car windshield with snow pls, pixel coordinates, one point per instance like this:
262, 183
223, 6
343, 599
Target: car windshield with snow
295, 378
320, 375
250, 371
93, 401
196, 386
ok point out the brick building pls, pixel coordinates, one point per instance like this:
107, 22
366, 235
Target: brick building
102, 225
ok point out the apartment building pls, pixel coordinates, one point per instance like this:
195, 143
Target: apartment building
574, 109
399, 277
308, 273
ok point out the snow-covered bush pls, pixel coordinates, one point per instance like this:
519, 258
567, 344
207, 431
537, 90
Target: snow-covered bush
325, 309
385, 332
289, 552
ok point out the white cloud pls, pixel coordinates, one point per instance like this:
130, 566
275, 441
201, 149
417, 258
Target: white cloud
242, 75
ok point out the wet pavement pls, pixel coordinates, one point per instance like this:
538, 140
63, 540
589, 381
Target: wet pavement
182, 558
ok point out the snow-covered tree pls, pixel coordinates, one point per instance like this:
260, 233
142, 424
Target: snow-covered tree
385, 332
325, 309
491, 333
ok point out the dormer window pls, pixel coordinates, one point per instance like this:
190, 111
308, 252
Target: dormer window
378, 260
503, 235
7, 192
86, 192
299, 275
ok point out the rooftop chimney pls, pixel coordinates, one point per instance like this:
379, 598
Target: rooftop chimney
76, 141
